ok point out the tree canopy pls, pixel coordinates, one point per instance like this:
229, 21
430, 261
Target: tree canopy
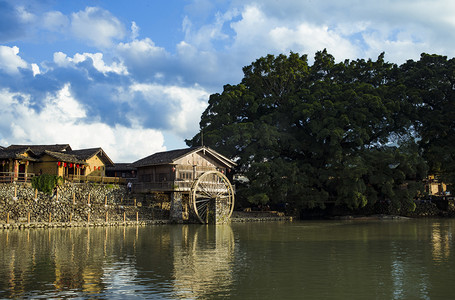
353, 132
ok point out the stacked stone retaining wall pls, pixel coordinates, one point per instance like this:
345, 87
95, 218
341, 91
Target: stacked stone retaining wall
72, 204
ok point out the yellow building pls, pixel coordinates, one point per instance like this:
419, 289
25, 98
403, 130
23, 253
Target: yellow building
20, 162
434, 187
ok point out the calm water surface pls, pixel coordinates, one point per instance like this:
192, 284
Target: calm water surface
399, 259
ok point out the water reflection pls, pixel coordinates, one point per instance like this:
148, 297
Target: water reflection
332, 260
441, 237
188, 261
203, 260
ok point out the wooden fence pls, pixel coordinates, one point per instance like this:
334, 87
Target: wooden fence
10, 177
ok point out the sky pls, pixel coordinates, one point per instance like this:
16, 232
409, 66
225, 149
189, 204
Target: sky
133, 77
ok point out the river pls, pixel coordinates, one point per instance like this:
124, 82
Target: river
354, 259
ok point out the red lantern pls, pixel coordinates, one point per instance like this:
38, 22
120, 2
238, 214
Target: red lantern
77, 166
64, 164
71, 165
59, 163
173, 169
99, 168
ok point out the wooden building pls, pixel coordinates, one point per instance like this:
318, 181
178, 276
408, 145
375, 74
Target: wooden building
20, 162
176, 170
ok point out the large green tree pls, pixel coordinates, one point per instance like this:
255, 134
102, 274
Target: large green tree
312, 134
430, 84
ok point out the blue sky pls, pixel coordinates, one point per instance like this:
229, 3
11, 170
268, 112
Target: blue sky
134, 77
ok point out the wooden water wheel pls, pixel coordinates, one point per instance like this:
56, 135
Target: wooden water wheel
212, 198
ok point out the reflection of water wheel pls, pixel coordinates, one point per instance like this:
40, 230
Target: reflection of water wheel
212, 191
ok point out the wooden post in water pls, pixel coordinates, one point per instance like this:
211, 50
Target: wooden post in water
134, 201
88, 217
7, 218
36, 194
50, 217
88, 200
15, 191
124, 217
28, 217
137, 217
105, 200
71, 217
107, 216
74, 198
56, 195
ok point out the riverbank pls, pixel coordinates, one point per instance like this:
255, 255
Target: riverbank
237, 217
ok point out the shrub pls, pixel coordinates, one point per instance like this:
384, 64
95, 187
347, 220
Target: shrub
46, 183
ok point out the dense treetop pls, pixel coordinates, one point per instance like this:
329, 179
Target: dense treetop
354, 132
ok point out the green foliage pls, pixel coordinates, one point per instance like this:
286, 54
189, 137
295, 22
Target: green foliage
334, 132
46, 183
430, 85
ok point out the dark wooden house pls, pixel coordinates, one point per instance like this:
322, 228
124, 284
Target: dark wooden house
176, 170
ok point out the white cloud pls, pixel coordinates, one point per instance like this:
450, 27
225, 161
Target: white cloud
97, 26
10, 61
140, 51
307, 38
35, 69
134, 30
185, 105
62, 120
55, 21
24, 15
62, 60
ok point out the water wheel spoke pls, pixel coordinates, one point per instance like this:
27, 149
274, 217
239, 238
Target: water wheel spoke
200, 196
207, 190
210, 186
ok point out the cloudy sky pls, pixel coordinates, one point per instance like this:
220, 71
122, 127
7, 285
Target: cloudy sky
133, 77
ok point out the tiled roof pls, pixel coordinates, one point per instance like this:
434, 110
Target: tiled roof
6, 153
61, 152
162, 158
169, 157
121, 167
65, 157
39, 149
85, 154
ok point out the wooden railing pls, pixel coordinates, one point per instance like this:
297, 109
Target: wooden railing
9, 177
178, 185
96, 179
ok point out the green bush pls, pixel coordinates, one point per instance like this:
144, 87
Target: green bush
46, 183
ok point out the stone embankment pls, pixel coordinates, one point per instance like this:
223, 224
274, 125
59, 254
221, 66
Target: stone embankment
73, 205
259, 216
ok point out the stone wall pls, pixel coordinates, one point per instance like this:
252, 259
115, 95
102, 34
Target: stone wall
72, 203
